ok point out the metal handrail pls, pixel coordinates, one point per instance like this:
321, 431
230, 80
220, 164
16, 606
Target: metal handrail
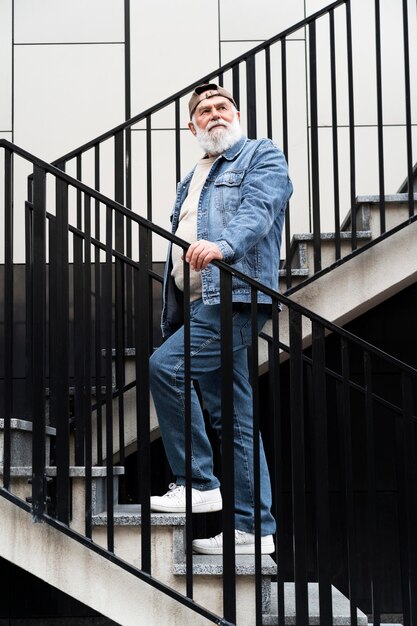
158, 230
322, 396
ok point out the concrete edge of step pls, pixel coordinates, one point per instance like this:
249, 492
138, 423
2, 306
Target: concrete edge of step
130, 515
340, 604
212, 565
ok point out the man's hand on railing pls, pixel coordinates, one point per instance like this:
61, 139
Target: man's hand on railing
201, 253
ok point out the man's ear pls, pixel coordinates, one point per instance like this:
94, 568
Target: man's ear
192, 128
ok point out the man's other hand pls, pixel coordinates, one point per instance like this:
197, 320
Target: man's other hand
201, 253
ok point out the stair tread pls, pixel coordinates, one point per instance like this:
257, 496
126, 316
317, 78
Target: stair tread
130, 515
78, 471
393, 198
341, 607
17, 423
212, 565
330, 236
75, 471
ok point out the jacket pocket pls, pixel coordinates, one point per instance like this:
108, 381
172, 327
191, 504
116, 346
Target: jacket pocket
228, 191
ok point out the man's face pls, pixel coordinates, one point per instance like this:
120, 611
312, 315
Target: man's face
211, 110
216, 125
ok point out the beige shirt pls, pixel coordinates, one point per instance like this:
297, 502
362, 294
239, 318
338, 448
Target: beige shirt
187, 227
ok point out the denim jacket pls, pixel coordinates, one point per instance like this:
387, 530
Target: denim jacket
241, 209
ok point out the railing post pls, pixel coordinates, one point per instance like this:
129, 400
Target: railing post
8, 312
143, 350
251, 96
38, 342
108, 342
346, 473
335, 141
381, 171
408, 126
60, 349
228, 467
298, 468
119, 225
321, 475
352, 148
315, 170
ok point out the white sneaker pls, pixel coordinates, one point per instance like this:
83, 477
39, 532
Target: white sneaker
244, 544
174, 500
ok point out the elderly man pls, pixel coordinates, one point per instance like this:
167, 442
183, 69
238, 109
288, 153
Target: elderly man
231, 208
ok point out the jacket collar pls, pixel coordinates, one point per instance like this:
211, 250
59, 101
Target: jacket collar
234, 150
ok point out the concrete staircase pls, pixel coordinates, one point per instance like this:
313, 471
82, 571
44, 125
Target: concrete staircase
301, 258
361, 282
339, 295
114, 592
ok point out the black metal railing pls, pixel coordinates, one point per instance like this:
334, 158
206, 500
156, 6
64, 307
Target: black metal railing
328, 401
316, 88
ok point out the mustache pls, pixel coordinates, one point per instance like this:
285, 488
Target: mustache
216, 123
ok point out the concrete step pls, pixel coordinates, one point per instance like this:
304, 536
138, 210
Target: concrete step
21, 442
168, 560
302, 253
341, 607
368, 227
368, 212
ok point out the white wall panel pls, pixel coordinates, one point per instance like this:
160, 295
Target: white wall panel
46, 21
173, 44
364, 62
246, 20
66, 95
6, 64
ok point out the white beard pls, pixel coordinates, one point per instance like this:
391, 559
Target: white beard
220, 139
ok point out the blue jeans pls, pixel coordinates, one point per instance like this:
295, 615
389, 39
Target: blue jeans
167, 386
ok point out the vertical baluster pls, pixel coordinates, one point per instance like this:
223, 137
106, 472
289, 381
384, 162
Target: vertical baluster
251, 96
39, 342
381, 168
87, 366
8, 313
287, 223
321, 475
335, 141
344, 412
236, 85
129, 247
315, 172
298, 469
228, 467
98, 311
188, 428
29, 306
78, 294
268, 92
108, 342
407, 94
276, 420
407, 505
149, 196
254, 377
177, 142
373, 532
128, 175
119, 224
143, 350
352, 148
60, 339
